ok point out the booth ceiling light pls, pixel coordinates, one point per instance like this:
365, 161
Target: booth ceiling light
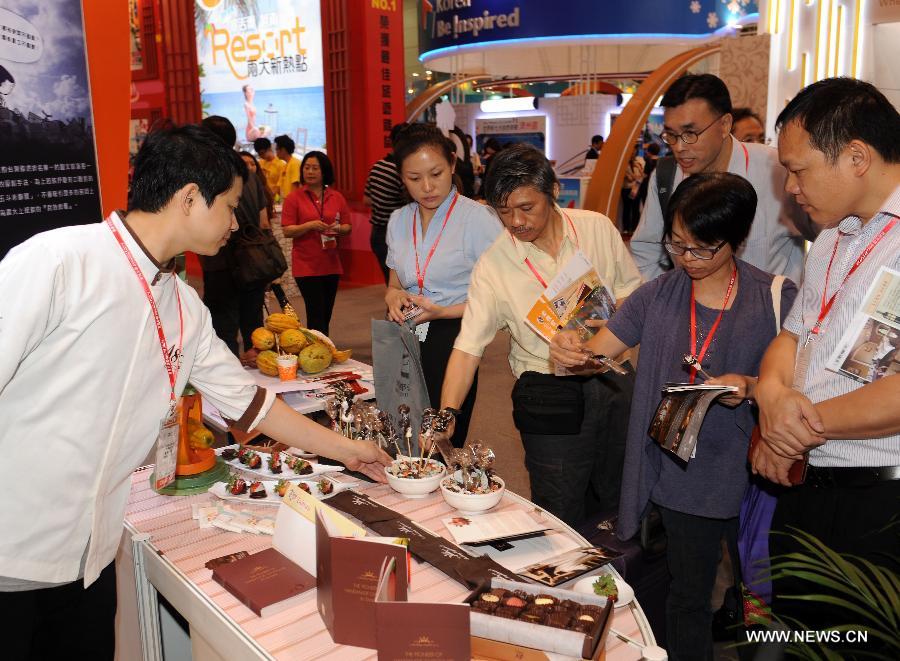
508, 105
485, 45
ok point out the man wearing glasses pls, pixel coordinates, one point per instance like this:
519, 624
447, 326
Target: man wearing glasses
697, 128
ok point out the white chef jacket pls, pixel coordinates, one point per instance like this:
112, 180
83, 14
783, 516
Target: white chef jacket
83, 389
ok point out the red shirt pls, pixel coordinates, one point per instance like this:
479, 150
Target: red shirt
308, 257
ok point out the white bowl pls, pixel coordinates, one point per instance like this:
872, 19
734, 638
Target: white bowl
415, 487
626, 592
473, 503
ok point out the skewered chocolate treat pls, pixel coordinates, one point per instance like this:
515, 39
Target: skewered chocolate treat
476, 469
304, 486
257, 490
244, 454
325, 487
229, 453
281, 487
254, 461
275, 462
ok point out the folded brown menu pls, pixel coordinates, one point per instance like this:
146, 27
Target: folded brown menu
265, 582
408, 630
441, 553
797, 471
347, 573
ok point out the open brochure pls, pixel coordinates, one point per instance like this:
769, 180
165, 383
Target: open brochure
508, 525
870, 349
680, 414
576, 294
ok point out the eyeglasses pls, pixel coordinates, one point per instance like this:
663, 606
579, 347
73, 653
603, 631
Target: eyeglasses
700, 253
688, 137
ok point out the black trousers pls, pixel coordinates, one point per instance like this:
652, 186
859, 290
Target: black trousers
232, 311
861, 521
435, 354
62, 622
378, 242
693, 552
577, 475
319, 292
631, 211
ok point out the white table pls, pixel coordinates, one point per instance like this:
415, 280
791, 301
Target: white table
165, 551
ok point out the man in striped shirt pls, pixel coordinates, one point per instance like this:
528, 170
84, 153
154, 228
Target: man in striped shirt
385, 193
840, 142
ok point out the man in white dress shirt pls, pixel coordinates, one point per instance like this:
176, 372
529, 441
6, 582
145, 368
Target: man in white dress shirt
840, 142
99, 336
697, 121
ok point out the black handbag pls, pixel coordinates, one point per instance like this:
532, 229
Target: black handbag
547, 404
257, 258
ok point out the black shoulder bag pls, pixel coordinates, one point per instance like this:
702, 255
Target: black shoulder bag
257, 258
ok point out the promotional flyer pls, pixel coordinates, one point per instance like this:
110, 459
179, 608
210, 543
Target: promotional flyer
48, 163
261, 67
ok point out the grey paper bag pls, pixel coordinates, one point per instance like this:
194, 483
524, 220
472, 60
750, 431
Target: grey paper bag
399, 378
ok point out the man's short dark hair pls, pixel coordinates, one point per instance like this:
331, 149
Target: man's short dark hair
285, 143
324, 164
515, 166
835, 111
596, 138
737, 114
653, 148
172, 158
713, 207
416, 136
261, 145
704, 86
222, 127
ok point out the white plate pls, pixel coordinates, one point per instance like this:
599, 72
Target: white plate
626, 592
220, 490
286, 473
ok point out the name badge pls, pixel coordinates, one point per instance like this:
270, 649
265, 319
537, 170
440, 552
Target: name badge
166, 452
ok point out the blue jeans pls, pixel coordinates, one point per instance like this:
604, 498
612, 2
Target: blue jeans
577, 475
694, 550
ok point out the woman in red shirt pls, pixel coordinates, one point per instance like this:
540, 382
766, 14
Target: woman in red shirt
314, 216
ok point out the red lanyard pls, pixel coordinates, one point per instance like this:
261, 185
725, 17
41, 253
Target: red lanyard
715, 326
420, 273
531, 266
320, 209
826, 305
172, 370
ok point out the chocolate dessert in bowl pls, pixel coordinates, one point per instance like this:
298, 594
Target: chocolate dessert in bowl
415, 477
472, 488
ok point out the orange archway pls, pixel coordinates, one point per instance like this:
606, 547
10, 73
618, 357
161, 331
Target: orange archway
609, 173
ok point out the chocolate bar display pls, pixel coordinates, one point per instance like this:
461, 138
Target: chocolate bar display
538, 617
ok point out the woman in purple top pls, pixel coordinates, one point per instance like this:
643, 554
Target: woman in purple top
719, 309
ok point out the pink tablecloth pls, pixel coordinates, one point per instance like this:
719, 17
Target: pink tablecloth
299, 633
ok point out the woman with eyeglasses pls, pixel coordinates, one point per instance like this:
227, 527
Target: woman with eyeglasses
723, 312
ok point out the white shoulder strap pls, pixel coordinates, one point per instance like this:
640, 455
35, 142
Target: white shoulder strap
777, 283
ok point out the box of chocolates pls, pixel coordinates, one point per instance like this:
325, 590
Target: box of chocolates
538, 617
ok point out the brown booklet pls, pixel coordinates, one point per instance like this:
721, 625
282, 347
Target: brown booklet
347, 572
415, 630
265, 582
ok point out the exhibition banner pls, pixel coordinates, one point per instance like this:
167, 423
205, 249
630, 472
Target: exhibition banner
261, 67
508, 130
48, 161
452, 23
